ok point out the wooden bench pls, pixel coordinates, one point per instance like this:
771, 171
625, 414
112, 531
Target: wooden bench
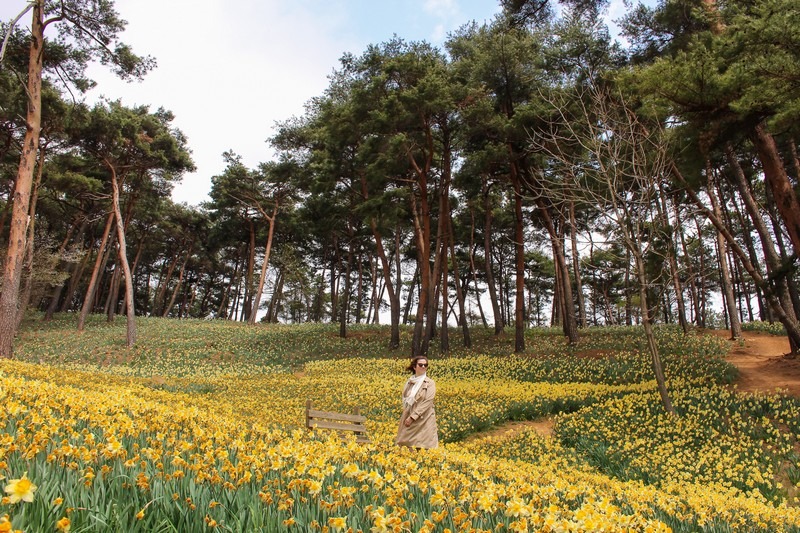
340, 422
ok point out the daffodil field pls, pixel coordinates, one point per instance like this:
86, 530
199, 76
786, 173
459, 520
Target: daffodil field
199, 427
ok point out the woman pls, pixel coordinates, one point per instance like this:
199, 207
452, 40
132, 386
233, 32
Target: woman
418, 423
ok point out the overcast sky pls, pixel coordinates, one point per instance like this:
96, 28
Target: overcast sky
230, 70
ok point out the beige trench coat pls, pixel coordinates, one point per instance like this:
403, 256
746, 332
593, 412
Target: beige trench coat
423, 432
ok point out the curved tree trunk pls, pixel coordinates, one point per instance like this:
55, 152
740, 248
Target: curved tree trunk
725, 274
92, 288
262, 279
775, 174
386, 270
163, 283
15, 254
672, 252
791, 326
658, 368
569, 323
767, 245
123, 260
439, 259
168, 307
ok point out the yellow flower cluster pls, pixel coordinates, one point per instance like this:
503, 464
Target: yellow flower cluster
233, 455
719, 438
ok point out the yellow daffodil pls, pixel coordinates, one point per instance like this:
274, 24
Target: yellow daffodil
337, 523
21, 489
63, 525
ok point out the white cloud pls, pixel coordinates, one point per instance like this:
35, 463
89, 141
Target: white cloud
444, 9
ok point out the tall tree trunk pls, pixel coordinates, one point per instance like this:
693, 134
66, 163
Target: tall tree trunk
263, 278
791, 326
386, 270
439, 264
345, 298
519, 264
168, 307
113, 296
594, 286
472, 269
222, 309
444, 337
410, 298
701, 310
499, 325
163, 283
373, 291
747, 224
462, 314
123, 260
136, 258
275, 301
74, 281
658, 368
92, 288
725, 275
360, 287
445, 235
782, 249
421, 218
691, 274
576, 266
250, 273
334, 276
628, 305
775, 174
17, 244
25, 296
773, 260
672, 253
557, 308
58, 290
398, 283
570, 324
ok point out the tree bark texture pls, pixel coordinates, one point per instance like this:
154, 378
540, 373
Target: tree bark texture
15, 254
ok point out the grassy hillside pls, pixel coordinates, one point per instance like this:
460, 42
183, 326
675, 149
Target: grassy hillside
200, 427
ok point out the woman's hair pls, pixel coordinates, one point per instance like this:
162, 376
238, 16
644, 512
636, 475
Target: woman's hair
413, 364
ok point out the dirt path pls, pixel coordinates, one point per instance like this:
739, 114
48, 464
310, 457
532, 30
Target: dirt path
761, 363
758, 356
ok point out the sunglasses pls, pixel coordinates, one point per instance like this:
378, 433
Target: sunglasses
422, 364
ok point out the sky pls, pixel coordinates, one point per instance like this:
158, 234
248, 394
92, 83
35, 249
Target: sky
229, 71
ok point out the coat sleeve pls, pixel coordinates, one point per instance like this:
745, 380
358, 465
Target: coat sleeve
425, 404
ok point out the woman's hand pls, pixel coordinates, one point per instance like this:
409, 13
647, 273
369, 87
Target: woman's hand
407, 422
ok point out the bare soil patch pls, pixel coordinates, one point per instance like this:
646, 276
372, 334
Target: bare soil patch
762, 363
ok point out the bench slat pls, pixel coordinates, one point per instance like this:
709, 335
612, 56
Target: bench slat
326, 424
341, 422
313, 413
